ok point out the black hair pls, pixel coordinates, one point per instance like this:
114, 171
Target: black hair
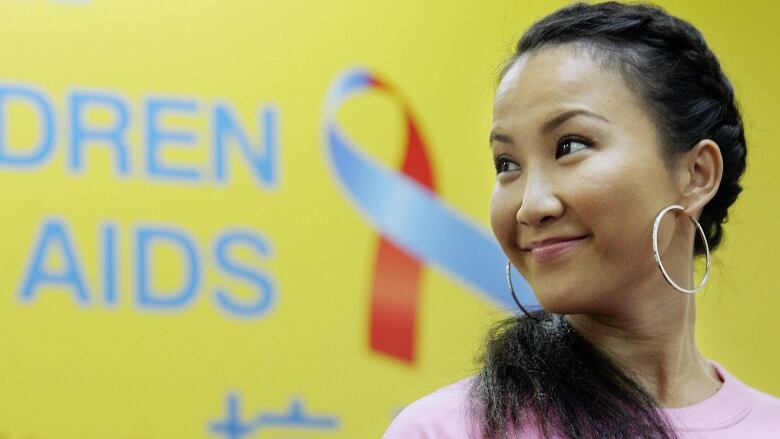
537, 364
538, 368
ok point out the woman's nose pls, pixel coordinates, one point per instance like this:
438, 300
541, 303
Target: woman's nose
540, 203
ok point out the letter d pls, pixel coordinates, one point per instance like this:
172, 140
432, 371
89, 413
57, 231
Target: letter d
35, 154
146, 297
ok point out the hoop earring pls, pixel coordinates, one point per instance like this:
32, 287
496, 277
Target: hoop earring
508, 273
657, 255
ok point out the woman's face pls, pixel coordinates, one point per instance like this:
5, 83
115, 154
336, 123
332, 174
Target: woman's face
580, 180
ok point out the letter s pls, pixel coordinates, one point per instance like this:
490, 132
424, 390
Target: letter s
263, 285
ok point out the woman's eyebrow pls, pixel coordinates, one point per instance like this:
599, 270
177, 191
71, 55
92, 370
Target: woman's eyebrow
550, 125
560, 119
498, 137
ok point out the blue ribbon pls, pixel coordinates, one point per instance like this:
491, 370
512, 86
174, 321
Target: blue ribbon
410, 215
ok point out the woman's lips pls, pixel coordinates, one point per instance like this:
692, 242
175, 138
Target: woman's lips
546, 252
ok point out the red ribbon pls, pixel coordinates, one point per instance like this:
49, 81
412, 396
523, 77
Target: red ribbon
396, 282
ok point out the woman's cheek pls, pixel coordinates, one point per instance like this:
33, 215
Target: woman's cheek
502, 218
612, 206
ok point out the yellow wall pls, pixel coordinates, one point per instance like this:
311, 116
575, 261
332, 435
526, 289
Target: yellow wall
84, 365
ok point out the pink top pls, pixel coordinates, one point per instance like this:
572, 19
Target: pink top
734, 411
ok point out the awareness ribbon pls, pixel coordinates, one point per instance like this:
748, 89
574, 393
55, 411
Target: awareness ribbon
414, 224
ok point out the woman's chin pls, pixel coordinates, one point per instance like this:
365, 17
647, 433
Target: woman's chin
561, 301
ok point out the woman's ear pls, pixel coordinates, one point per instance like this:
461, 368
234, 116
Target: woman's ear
701, 171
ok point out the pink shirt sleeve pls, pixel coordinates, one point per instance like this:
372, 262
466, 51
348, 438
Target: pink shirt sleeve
442, 414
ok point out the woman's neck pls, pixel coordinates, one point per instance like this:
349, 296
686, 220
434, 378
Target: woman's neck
655, 345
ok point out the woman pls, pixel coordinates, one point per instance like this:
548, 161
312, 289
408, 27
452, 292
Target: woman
616, 138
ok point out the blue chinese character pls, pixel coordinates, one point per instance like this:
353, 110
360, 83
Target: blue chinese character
232, 427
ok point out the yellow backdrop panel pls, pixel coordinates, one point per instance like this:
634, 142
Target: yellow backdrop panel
181, 258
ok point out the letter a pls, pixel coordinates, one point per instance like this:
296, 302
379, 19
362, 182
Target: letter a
53, 237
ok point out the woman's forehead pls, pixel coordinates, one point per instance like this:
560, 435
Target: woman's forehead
546, 80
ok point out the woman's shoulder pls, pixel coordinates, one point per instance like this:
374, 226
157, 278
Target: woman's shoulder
443, 413
763, 417
765, 404
760, 401
736, 410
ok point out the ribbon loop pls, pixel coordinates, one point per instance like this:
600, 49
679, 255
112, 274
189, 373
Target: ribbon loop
415, 226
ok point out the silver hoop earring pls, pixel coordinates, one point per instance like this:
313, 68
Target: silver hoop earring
508, 273
657, 255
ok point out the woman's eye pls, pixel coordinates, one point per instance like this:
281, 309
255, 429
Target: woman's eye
568, 145
503, 164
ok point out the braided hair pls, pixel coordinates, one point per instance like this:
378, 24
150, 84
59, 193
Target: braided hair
536, 365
